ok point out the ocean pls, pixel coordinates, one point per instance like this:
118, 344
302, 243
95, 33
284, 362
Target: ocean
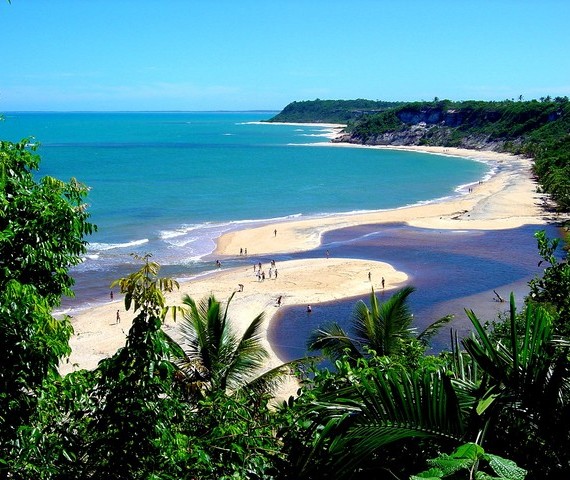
170, 183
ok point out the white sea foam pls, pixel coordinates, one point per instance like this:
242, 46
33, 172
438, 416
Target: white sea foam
101, 247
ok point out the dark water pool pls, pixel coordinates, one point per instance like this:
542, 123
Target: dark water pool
451, 270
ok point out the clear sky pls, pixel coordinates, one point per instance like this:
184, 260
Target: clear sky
263, 54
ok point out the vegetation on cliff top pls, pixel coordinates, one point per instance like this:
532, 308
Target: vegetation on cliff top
331, 111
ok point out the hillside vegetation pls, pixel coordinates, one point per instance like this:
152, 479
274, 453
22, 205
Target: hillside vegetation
331, 111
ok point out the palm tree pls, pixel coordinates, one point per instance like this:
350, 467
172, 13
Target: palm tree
383, 328
214, 359
524, 386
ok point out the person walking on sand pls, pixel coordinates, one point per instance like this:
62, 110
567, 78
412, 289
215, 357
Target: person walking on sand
369, 276
382, 282
118, 317
275, 232
275, 274
279, 300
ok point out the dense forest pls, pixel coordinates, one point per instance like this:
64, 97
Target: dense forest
330, 111
497, 405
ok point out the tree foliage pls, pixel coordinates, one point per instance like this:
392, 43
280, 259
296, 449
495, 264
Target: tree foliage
42, 228
383, 328
42, 224
330, 111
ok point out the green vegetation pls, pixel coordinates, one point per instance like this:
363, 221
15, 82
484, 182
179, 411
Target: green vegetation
330, 111
156, 409
517, 127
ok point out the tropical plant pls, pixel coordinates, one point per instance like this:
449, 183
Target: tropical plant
471, 457
524, 390
503, 396
214, 358
552, 289
233, 436
384, 328
135, 429
42, 228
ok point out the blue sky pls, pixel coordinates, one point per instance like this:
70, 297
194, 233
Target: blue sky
248, 54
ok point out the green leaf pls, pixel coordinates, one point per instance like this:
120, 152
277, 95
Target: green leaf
485, 402
431, 474
506, 468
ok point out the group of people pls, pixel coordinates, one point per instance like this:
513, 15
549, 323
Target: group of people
260, 273
243, 251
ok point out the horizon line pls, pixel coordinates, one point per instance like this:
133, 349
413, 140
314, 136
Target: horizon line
143, 111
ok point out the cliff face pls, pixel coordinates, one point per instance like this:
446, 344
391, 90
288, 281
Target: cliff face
432, 126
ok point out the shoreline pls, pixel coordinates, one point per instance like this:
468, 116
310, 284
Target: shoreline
97, 335
507, 199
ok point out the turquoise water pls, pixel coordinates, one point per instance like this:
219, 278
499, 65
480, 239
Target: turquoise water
171, 183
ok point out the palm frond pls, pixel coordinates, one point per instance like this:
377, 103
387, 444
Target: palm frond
268, 382
432, 329
390, 406
246, 357
333, 341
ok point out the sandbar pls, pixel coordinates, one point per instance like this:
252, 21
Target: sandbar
307, 282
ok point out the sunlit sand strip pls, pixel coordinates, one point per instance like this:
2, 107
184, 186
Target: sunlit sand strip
508, 199
98, 335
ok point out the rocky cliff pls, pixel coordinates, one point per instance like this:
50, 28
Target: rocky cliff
433, 126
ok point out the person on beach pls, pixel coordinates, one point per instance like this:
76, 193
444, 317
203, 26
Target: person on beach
275, 232
245, 252
218, 264
241, 251
328, 254
275, 274
279, 300
118, 317
240, 287
382, 282
369, 276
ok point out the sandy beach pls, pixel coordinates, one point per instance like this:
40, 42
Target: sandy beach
506, 200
